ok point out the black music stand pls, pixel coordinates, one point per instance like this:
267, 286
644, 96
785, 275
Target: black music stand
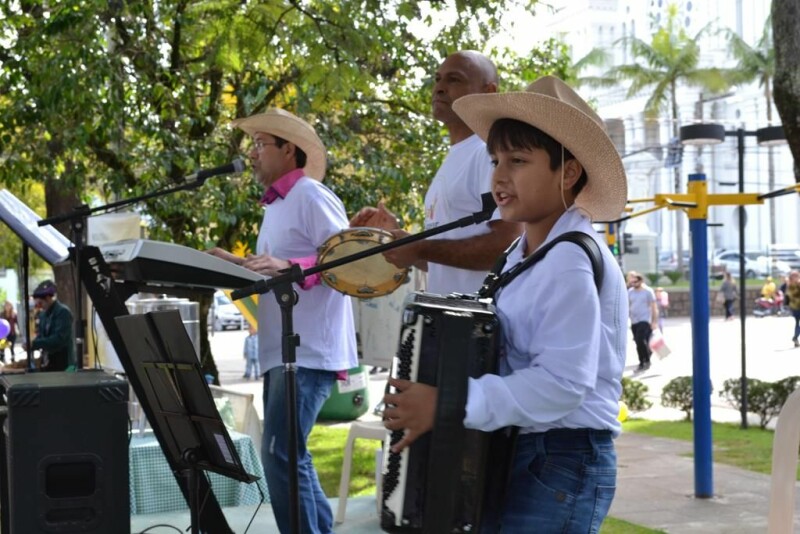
195, 438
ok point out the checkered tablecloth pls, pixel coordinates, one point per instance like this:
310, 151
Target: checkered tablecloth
153, 487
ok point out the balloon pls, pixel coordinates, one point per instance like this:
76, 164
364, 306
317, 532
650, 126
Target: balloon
5, 328
623, 412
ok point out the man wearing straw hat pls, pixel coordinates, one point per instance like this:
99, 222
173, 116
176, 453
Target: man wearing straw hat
289, 160
562, 355
456, 261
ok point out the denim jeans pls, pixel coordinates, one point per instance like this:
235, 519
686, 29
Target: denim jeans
252, 368
313, 388
562, 481
796, 315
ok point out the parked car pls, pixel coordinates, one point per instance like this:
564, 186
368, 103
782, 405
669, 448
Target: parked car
668, 261
756, 264
224, 314
787, 253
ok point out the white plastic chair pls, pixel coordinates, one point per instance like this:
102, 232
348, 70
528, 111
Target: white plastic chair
784, 467
245, 415
358, 429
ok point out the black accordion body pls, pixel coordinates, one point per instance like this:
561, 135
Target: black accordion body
441, 483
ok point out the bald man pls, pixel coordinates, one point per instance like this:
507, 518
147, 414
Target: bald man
457, 260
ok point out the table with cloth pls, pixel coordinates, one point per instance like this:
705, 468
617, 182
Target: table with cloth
154, 489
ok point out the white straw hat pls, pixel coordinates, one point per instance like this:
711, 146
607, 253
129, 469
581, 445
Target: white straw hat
292, 128
554, 108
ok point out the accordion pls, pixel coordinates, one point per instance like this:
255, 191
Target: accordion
442, 482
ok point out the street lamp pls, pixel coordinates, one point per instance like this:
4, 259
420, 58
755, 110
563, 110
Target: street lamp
712, 134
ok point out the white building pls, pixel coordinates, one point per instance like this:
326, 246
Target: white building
585, 24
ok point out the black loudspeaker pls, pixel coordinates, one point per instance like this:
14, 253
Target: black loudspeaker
66, 453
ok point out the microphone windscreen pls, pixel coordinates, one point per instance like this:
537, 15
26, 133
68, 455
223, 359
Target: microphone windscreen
488, 203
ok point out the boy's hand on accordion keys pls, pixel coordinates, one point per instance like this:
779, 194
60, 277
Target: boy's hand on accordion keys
412, 409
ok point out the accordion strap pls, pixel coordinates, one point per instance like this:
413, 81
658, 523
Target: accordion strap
497, 279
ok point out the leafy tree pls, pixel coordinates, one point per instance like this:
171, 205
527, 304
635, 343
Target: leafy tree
757, 63
108, 100
785, 21
670, 59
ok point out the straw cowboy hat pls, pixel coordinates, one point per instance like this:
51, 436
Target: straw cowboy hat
287, 126
554, 108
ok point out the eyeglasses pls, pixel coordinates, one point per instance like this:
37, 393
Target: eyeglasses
258, 145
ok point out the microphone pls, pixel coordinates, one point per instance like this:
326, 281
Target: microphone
234, 167
488, 203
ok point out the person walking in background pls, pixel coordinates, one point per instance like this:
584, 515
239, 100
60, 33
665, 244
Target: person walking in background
252, 368
792, 300
729, 292
644, 317
10, 315
662, 301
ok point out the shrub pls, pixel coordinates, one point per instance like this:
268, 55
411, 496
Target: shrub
634, 395
678, 394
673, 276
783, 388
653, 278
764, 399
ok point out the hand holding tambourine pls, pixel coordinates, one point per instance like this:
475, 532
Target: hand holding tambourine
378, 217
368, 277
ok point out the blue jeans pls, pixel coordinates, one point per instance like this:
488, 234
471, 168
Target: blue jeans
313, 388
252, 368
561, 481
796, 315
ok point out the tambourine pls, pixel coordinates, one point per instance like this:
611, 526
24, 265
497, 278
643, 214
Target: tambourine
366, 278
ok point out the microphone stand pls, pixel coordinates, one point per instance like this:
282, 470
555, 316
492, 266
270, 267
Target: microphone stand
287, 298
77, 219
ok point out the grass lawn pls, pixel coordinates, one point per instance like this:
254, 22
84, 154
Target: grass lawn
749, 449
327, 446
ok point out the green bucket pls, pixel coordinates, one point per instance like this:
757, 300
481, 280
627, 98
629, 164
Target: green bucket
349, 399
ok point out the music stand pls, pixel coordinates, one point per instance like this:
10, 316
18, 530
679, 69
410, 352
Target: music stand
47, 242
195, 438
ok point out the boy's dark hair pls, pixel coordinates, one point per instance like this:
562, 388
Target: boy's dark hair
511, 134
300, 157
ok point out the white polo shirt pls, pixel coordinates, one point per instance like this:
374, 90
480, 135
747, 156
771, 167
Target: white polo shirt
563, 348
294, 227
455, 192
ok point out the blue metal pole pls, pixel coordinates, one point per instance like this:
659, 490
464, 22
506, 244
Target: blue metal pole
701, 384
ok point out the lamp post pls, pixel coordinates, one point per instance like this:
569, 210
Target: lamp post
711, 134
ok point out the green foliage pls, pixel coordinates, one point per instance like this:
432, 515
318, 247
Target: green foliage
653, 278
678, 394
634, 395
116, 99
101, 101
674, 276
764, 399
783, 388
